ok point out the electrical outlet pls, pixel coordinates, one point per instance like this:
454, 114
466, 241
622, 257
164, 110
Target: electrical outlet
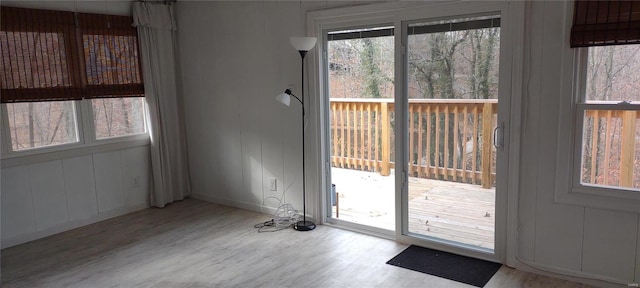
273, 184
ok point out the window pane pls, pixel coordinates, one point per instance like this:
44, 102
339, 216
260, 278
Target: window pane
41, 124
613, 73
360, 80
610, 149
115, 117
461, 64
361, 68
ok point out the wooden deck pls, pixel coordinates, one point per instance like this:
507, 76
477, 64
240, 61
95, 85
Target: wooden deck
457, 212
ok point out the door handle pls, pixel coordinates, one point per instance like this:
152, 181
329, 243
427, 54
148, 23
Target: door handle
498, 136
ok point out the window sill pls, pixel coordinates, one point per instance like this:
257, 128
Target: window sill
72, 150
600, 197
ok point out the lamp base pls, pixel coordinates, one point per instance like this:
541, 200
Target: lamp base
304, 226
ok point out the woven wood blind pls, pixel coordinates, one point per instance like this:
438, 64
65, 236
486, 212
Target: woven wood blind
38, 63
56, 55
605, 22
110, 51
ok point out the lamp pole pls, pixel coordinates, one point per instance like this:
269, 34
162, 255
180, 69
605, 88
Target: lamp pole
303, 225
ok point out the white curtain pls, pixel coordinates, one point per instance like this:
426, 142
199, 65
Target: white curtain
156, 32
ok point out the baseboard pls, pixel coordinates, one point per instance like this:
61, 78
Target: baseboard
571, 275
27, 237
242, 205
237, 204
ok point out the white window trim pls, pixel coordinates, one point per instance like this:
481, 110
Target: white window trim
87, 141
569, 189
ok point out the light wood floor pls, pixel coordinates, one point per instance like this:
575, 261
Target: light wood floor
198, 244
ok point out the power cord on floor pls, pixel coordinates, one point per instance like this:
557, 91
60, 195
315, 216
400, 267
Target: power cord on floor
269, 226
284, 218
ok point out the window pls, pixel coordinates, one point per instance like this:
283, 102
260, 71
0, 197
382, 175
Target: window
606, 158
609, 93
608, 108
41, 124
112, 71
58, 65
116, 117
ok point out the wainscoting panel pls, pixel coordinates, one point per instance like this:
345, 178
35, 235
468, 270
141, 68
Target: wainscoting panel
608, 238
48, 192
81, 187
109, 181
17, 204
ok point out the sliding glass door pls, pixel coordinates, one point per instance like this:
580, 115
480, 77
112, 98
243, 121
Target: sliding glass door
416, 103
452, 91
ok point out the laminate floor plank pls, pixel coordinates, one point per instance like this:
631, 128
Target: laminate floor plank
193, 243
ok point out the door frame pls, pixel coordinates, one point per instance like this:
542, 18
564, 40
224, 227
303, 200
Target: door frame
511, 82
381, 20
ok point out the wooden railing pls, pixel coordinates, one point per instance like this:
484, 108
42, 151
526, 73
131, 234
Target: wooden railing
611, 137
445, 140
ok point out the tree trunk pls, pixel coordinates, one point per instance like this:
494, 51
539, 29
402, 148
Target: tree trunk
371, 70
31, 128
125, 112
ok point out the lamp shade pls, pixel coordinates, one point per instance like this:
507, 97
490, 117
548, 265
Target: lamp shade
303, 43
284, 98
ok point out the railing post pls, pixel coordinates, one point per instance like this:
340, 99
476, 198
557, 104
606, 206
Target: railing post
487, 123
384, 110
627, 151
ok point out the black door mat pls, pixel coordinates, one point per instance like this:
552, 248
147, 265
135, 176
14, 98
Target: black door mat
454, 267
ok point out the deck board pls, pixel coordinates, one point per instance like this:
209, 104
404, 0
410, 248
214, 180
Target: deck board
447, 210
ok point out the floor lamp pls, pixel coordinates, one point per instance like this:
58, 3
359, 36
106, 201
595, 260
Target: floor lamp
303, 45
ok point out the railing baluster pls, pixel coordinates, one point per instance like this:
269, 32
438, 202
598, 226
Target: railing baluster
343, 150
377, 137
487, 122
465, 176
474, 159
361, 157
385, 139
594, 146
446, 143
628, 145
428, 115
607, 148
349, 121
455, 143
369, 144
420, 166
334, 116
412, 159
437, 144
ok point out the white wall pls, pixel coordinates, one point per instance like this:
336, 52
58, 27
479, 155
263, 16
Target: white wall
590, 242
236, 57
43, 198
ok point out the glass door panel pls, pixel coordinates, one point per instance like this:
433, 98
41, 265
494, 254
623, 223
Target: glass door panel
361, 99
452, 87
